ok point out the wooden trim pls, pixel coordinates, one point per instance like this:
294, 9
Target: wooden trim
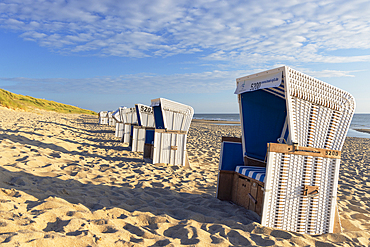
225, 185
310, 190
252, 198
248, 161
231, 139
170, 131
293, 149
252, 179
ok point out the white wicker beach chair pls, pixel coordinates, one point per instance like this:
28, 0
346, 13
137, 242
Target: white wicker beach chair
130, 120
120, 125
103, 117
293, 129
111, 120
145, 121
167, 143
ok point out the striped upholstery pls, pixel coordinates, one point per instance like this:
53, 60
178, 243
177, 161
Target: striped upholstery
257, 173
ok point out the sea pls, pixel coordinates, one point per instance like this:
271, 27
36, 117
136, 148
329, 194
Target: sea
359, 121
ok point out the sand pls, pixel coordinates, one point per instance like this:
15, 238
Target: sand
67, 181
364, 130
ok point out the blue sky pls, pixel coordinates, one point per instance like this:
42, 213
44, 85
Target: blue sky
99, 54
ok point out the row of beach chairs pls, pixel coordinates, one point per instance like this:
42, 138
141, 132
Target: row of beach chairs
284, 167
159, 131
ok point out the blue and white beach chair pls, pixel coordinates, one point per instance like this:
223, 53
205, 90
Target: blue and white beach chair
130, 120
103, 117
111, 120
285, 167
145, 122
167, 143
120, 125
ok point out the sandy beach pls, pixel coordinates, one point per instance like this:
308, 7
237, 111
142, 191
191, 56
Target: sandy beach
67, 181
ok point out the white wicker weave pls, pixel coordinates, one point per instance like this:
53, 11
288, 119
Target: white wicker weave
285, 207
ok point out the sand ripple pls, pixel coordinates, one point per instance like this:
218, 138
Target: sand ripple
67, 181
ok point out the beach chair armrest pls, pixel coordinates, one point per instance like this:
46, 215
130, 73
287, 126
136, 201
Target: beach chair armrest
231, 155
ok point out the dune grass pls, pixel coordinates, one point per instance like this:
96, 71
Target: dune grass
28, 103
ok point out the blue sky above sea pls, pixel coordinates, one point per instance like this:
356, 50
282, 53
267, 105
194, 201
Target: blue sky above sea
100, 55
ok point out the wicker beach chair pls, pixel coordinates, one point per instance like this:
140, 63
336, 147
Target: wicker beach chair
120, 125
130, 120
103, 117
111, 120
145, 122
167, 143
285, 167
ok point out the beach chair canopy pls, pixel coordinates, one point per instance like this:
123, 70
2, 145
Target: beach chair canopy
286, 106
118, 115
103, 114
145, 116
129, 115
171, 115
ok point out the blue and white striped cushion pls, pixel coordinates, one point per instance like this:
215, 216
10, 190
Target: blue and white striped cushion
254, 172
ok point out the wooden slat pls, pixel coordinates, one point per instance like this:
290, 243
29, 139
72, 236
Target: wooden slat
170, 131
234, 194
253, 162
290, 149
231, 139
259, 204
244, 188
225, 185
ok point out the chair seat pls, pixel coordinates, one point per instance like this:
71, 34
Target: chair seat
257, 173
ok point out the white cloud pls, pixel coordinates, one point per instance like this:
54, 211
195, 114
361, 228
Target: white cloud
244, 32
205, 82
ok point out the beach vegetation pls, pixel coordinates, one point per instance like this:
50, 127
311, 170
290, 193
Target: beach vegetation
28, 103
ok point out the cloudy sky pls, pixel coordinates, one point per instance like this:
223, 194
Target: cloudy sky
101, 54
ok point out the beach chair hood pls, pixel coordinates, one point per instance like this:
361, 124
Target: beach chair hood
171, 115
129, 115
117, 115
291, 107
145, 116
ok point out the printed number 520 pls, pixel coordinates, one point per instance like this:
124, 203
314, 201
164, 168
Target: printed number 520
332, 153
255, 86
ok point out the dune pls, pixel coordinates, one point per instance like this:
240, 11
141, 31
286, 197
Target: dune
67, 181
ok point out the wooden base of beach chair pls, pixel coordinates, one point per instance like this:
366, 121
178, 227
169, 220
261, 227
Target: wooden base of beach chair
148, 151
241, 190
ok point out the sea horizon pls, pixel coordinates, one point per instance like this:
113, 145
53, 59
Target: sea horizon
359, 121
